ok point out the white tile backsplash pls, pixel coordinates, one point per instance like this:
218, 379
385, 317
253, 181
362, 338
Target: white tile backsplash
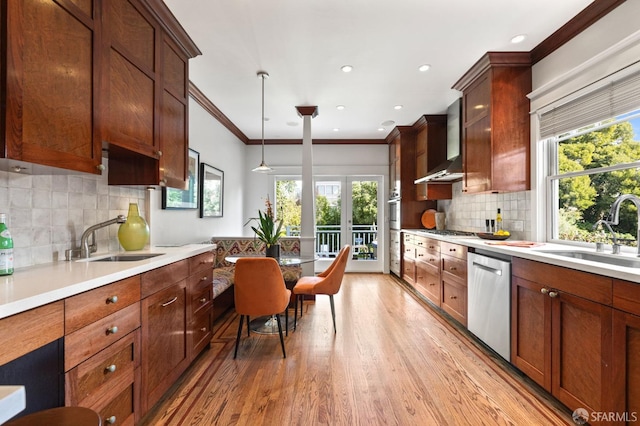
47, 214
468, 212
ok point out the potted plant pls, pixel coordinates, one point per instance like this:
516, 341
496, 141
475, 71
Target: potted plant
269, 230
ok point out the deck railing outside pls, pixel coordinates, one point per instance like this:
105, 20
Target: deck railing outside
328, 240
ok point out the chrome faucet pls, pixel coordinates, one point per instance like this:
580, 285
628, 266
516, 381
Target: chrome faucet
614, 213
85, 248
615, 246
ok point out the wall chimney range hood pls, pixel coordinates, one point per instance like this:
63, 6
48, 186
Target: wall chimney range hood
451, 169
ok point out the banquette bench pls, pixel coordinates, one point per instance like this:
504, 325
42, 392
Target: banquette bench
236, 246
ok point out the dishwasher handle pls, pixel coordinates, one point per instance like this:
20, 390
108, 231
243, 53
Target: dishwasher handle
488, 268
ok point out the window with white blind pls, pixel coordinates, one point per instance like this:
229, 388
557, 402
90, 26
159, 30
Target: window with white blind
594, 145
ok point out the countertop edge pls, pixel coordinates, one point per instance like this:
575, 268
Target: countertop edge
533, 253
35, 286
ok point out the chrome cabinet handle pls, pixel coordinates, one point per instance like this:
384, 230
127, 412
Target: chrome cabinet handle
204, 278
553, 294
112, 299
169, 302
203, 329
204, 299
111, 420
100, 167
544, 290
112, 330
110, 369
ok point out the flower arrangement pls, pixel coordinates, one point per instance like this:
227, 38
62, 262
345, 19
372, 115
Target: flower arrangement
269, 229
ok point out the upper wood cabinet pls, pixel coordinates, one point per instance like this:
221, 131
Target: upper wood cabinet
91, 76
47, 107
496, 153
431, 151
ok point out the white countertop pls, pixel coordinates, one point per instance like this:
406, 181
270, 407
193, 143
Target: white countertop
38, 285
13, 399
534, 253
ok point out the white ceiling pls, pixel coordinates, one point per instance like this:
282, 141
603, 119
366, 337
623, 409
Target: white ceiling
302, 44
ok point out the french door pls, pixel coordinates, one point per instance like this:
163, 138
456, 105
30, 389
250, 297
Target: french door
347, 212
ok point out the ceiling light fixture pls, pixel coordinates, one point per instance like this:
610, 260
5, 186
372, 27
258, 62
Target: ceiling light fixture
340, 107
397, 107
518, 39
262, 168
346, 68
424, 68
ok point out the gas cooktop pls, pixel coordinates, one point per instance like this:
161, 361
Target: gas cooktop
448, 232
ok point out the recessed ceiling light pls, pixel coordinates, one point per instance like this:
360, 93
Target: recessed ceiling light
340, 107
518, 39
346, 68
388, 123
424, 68
380, 129
336, 129
397, 107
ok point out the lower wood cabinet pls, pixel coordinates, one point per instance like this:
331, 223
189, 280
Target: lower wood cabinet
562, 333
453, 275
164, 341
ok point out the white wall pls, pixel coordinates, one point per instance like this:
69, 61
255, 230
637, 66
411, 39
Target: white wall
221, 149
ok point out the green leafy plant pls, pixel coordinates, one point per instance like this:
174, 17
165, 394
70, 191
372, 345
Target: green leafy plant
269, 228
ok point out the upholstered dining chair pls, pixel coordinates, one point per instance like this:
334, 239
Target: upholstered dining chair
259, 290
327, 282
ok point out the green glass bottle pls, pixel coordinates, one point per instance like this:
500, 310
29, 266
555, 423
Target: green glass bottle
6, 247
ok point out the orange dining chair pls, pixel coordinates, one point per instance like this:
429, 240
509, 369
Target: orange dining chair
327, 282
259, 290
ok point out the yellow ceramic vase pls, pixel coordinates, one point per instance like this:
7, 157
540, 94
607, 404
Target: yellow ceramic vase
134, 233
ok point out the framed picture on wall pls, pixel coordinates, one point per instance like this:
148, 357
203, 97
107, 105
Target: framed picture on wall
184, 199
211, 191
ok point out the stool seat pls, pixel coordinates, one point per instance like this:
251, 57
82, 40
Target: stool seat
61, 416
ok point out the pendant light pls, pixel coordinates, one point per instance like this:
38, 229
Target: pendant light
262, 168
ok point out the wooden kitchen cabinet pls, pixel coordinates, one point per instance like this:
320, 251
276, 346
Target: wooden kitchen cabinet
49, 100
427, 266
431, 151
562, 332
626, 341
200, 303
408, 258
496, 122
102, 351
395, 252
453, 275
165, 353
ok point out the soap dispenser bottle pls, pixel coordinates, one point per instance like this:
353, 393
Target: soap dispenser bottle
6, 247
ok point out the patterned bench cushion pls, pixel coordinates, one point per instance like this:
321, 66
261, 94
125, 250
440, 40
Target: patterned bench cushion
223, 271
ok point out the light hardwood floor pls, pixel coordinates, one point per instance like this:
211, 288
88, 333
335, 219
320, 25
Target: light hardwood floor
392, 362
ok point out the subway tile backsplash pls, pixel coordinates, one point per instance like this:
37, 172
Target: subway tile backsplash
468, 212
47, 214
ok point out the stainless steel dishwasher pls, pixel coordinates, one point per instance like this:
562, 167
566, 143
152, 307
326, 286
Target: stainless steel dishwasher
489, 300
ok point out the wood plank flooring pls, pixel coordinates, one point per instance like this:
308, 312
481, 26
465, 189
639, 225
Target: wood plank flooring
392, 362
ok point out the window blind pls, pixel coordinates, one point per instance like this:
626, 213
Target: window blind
615, 98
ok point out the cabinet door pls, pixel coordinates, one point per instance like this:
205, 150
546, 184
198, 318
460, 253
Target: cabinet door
49, 94
626, 362
428, 281
581, 352
164, 343
173, 117
531, 331
129, 83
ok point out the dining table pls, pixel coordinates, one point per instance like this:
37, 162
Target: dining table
269, 324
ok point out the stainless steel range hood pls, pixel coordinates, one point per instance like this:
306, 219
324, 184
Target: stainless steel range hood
448, 171
451, 169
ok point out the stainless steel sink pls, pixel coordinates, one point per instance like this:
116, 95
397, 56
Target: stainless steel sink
125, 257
610, 259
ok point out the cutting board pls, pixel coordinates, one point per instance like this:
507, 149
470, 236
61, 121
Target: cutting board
429, 219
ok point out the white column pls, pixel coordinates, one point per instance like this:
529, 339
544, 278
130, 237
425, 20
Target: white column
307, 228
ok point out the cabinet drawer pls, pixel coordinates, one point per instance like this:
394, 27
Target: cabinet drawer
432, 245
88, 307
201, 262
626, 296
454, 301
200, 332
454, 250
428, 282
84, 343
200, 280
454, 267
99, 376
408, 270
429, 257
119, 411
419, 241
201, 299
161, 278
